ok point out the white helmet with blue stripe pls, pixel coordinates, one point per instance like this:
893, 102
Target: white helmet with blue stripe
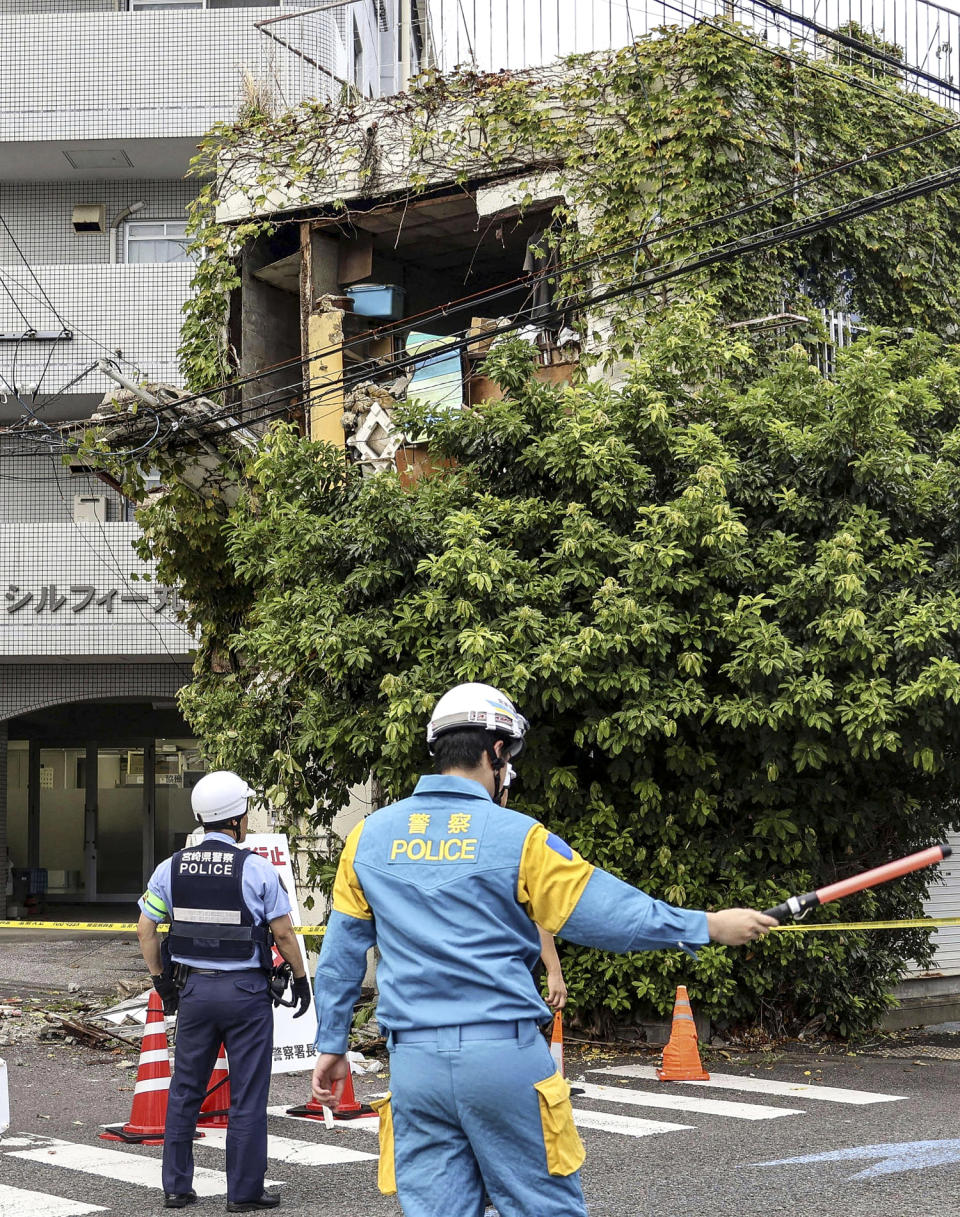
478, 705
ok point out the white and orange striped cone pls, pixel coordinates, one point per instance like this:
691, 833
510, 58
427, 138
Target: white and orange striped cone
556, 1048
216, 1106
681, 1056
149, 1112
347, 1109
556, 1042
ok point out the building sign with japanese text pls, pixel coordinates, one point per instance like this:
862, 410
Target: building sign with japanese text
80, 589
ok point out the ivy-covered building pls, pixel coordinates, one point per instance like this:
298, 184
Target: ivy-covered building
380, 251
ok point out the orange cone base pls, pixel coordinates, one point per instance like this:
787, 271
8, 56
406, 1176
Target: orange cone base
117, 1132
314, 1111
674, 1074
120, 1132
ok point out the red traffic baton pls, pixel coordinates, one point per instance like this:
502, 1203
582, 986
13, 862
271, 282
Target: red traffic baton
798, 906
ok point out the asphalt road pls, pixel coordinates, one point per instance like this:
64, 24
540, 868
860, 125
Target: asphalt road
893, 1157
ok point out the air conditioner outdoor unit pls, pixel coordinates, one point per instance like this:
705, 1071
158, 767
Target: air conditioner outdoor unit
90, 507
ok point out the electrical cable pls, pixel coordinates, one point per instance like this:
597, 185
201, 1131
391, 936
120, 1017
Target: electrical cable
586, 263
116, 563
510, 286
787, 57
23, 258
73, 328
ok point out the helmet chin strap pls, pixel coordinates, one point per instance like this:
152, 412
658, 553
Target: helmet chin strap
497, 763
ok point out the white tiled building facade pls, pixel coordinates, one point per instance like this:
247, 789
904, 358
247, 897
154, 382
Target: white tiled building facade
102, 106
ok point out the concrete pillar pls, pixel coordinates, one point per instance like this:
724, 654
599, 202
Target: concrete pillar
319, 277
33, 804
4, 858
325, 334
90, 822
149, 809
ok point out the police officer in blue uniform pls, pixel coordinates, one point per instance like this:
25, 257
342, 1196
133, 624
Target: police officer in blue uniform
450, 887
226, 905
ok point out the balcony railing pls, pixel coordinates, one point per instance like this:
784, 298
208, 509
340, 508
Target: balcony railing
495, 34
170, 74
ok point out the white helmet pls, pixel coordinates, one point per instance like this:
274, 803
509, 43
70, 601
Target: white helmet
220, 795
478, 705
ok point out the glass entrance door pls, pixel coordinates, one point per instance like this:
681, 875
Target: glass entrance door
120, 821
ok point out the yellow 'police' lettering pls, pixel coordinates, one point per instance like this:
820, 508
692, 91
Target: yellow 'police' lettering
450, 849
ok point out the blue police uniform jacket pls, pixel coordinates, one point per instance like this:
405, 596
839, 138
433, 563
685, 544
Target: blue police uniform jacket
220, 898
449, 886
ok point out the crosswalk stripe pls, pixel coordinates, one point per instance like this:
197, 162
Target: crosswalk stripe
119, 1165
364, 1123
628, 1126
17, 1201
677, 1102
286, 1149
730, 1081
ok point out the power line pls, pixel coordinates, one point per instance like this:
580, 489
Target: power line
508, 287
744, 245
23, 258
116, 563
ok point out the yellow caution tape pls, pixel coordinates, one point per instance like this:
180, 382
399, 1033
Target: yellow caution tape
918, 923
116, 927
124, 927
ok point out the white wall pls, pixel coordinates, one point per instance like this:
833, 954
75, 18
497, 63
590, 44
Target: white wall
133, 307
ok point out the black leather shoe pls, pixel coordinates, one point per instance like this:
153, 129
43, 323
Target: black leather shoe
178, 1200
266, 1201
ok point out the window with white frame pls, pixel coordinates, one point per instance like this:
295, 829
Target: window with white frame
156, 241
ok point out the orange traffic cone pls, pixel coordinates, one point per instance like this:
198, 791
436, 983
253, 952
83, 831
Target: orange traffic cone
347, 1109
216, 1105
556, 1048
681, 1056
556, 1042
149, 1111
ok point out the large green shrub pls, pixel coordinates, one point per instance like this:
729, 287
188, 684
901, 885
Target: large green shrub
727, 599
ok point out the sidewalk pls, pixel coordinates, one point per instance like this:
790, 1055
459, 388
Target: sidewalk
71, 961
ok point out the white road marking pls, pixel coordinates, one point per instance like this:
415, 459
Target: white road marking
365, 1123
678, 1102
628, 1126
18, 1201
120, 1166
730, 1081
286, 1149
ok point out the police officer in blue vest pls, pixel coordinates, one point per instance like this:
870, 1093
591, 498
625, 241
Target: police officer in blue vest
226, 906
451, 887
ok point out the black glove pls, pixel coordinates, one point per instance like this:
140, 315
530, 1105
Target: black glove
169, 993
302, 993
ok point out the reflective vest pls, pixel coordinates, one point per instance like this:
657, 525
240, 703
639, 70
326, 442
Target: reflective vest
210, 919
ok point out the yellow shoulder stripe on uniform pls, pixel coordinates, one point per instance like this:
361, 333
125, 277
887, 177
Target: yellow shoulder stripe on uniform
348, 897
551, 879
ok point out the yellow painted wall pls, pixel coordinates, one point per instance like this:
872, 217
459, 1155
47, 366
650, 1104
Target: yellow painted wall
325, 331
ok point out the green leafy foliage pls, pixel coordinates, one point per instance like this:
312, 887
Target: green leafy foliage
726, 596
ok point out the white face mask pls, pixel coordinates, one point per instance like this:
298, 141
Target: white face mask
509, 774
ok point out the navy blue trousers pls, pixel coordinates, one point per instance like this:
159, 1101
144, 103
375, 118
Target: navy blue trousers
235, 1009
